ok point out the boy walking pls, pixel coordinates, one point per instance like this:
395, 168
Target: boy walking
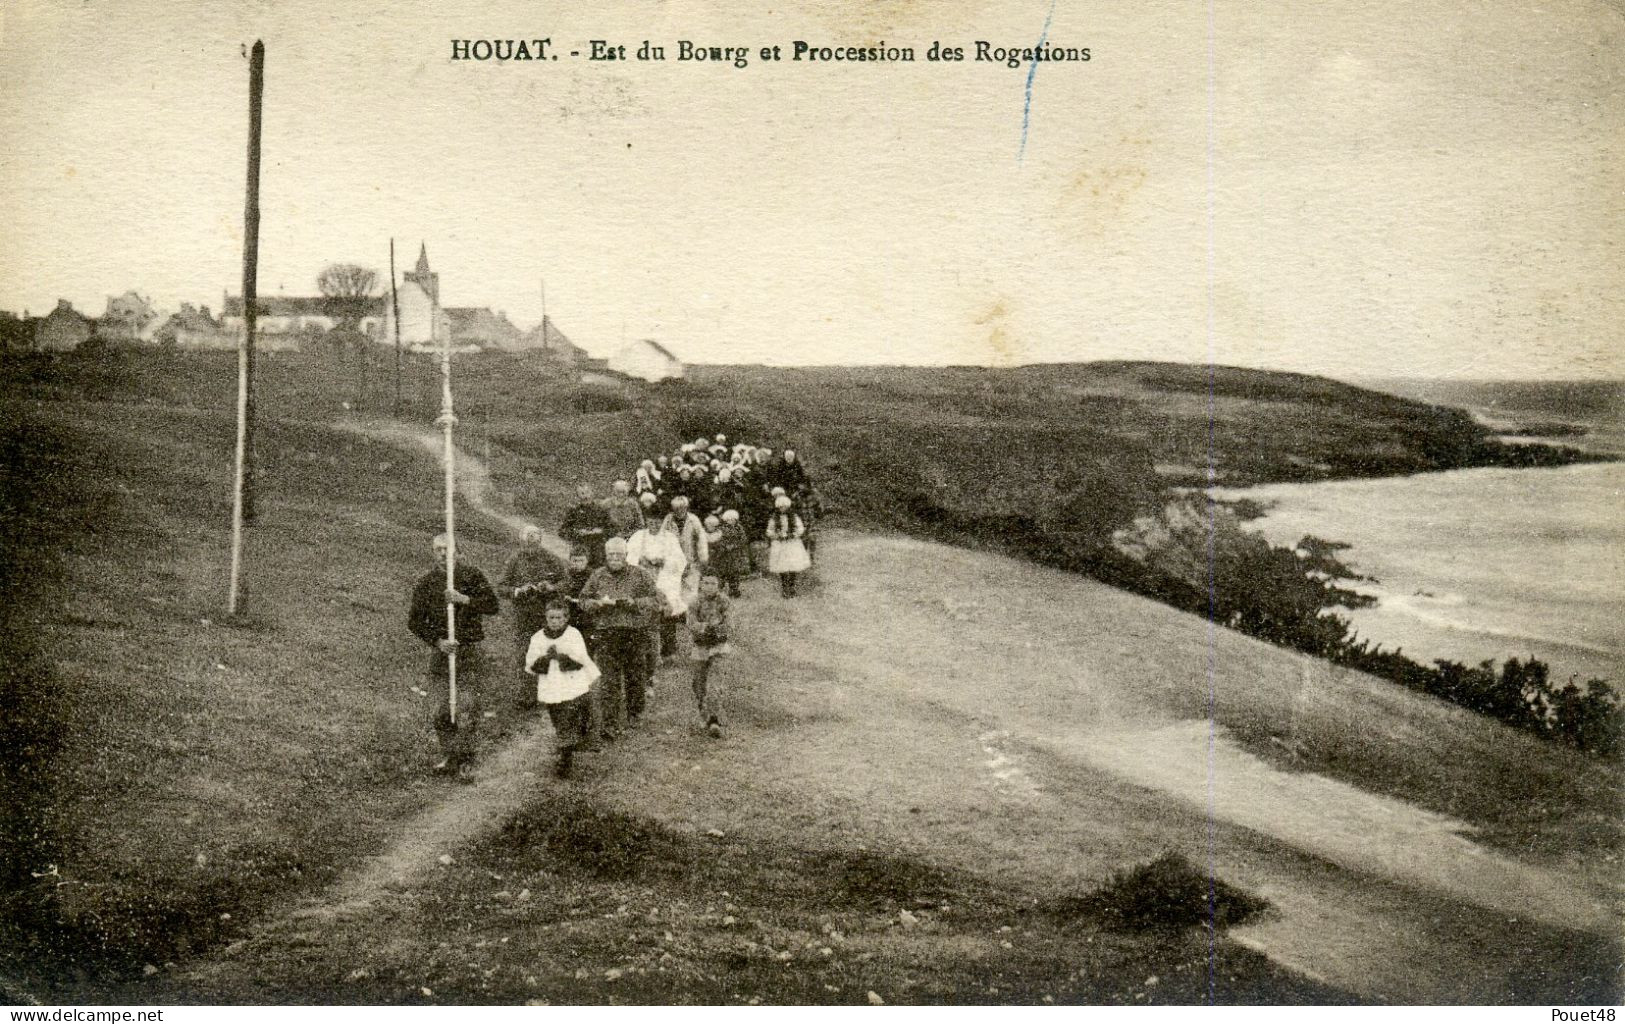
531, 579
709, 626
730, 552
564, 673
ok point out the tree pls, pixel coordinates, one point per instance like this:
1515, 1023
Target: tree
347, 288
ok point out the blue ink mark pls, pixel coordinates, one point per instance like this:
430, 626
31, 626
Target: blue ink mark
1032, 71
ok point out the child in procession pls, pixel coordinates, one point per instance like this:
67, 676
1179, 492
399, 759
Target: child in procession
575, 578
709, 626
786, 554
731, 552
564, 673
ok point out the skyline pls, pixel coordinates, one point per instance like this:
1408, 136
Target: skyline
1377, 189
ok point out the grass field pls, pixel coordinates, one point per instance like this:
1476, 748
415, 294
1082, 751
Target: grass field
172, 779
169, 773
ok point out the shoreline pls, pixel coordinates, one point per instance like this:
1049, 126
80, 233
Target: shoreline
1472, 563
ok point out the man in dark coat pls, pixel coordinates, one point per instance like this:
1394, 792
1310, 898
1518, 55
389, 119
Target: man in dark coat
532, 577
625, 513
474, 599
791, 474
624, 604
587, 524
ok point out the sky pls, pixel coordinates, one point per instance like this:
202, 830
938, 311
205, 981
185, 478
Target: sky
1417, 188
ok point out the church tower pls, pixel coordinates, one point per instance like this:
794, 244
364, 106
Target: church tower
423, 322
423, 277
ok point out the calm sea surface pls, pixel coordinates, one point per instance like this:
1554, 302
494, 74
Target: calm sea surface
1477, 563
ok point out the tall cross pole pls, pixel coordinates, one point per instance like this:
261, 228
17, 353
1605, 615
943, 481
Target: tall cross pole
448, 421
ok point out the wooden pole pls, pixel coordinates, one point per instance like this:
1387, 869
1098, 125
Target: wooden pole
251, 288
242, 504
447, 421
364, 350
395, 304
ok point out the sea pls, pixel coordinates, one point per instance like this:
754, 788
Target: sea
1477, 564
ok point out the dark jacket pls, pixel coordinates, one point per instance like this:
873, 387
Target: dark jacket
625, 515
633, 587
730, 555
427, 617
574, 584
589, 525
533, 566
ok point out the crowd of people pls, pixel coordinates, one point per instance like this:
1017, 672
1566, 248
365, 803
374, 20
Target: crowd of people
758, 508
662, 557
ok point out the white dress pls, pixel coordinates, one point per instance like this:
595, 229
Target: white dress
785, 551
661, 554
558, 685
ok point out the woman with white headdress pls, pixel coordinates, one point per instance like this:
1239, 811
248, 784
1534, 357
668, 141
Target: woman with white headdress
786, 554
661, 554
647, 480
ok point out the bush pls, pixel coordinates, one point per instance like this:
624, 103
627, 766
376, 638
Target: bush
1167, 894
592, 399
600, 842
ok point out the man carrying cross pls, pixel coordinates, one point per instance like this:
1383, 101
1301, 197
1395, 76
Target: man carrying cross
473, 597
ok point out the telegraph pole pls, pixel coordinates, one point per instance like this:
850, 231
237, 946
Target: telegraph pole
242, 505
395, 304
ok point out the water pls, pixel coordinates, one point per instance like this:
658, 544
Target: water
1478, 563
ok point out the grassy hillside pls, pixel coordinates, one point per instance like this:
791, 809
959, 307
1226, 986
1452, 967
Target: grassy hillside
1254, 425
1060, 452
167, 773
171, 778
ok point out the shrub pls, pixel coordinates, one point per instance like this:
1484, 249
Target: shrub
590, 399
600, 842
1166, 894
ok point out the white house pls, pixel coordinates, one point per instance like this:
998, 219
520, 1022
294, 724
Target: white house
646, 359
278, 315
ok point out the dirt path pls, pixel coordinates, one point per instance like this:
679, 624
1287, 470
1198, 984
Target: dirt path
473, 476
1040, 728
506, 778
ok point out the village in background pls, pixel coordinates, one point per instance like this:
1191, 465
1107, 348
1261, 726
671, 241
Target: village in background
352, 311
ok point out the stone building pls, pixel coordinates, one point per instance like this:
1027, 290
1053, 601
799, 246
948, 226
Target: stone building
63, 329
129, 318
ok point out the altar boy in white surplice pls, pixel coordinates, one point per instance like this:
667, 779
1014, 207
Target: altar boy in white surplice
564, 674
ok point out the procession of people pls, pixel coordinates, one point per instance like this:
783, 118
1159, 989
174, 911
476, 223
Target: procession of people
653, 568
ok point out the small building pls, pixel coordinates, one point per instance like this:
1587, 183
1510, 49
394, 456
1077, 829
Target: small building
17, 332
284, 314
283, 325
546, 338
646, 359
63, 329
129, 318
192, 323
477, 325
